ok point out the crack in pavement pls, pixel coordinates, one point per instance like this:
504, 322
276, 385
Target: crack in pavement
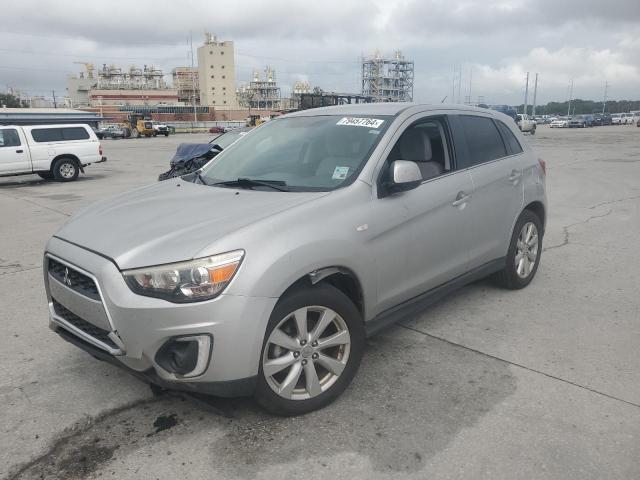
613, 201
20, 271
519, 365
566, 228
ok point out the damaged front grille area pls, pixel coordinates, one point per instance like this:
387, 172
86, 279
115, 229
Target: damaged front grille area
81, 324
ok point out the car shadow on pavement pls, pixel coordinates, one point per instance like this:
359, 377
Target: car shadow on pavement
411, 397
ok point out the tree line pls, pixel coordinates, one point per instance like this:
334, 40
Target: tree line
579, 106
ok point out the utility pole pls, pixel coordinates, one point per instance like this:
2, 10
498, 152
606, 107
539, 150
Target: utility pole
604, 100
570, 97
55, 105
470, 78
193, 80
526, 94
453, 86
535, 94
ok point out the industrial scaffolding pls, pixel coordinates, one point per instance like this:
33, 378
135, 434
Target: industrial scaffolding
186, 81
261, 93
388, 79
146, 78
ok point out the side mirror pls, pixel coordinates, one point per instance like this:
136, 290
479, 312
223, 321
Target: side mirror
405, 175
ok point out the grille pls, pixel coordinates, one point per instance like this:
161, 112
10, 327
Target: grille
75, 280
88, 328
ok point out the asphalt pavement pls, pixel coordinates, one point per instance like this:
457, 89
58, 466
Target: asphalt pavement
540, 383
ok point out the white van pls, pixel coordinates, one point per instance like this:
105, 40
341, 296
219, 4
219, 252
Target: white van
57, 152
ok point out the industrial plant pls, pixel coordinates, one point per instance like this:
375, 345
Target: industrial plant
261, 92
388, 79
208, 89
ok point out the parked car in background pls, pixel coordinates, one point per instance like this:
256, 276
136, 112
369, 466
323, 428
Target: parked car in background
98, 132
588, 119
616, 119
216, 129
526, 123
160, 129
559, 122
506, 109
627, 119
113, 131
190, 157
54, 152
264, 272
577, 121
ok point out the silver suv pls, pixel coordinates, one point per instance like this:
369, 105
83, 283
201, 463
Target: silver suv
263, 272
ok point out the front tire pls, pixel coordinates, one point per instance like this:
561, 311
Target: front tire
311, 351
523, 256
65, 169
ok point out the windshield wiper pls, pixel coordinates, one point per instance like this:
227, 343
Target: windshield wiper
200, 177
250, 182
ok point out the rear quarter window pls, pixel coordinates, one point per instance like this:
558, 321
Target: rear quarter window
510, 139
60, 134
483, 139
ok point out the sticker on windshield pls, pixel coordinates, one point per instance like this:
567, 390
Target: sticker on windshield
361, 122
340, 173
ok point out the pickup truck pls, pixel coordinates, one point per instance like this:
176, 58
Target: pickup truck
160, 129
526, 123
54, 152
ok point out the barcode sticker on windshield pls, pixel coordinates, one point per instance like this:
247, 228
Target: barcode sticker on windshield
361, 122
340, 173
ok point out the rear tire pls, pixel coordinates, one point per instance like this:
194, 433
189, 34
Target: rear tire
320, 372
65, 169
523, 256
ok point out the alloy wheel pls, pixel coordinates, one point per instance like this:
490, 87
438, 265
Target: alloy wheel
526, 250
306, 353
67, 170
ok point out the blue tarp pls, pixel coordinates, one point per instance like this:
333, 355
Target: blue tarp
190, 151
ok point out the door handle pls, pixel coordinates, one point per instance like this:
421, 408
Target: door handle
19, 151
461, 198
515, 175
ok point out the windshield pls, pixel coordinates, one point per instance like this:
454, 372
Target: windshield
317, 153
228, 138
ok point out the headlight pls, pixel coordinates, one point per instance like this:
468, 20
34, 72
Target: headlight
190, 281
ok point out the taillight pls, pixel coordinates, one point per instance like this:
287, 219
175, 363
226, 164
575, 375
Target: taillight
100, 149
543, 166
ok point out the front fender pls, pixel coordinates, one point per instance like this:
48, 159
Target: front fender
266, 275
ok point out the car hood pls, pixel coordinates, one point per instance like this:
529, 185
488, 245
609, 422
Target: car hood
171, 221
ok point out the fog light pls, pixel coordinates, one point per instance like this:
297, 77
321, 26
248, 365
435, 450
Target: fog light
185, 356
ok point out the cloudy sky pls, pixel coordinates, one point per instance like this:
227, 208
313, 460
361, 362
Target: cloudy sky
495, 41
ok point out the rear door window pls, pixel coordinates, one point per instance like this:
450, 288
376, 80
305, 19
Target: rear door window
483, 139
9, 138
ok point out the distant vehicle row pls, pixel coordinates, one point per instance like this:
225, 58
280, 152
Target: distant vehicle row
595, 120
